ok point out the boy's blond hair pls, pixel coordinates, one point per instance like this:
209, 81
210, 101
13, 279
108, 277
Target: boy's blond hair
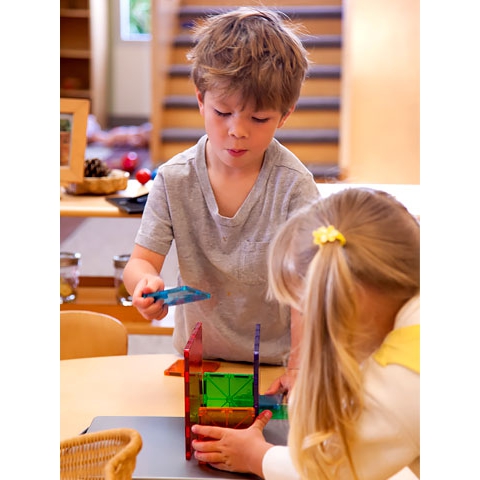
251, 51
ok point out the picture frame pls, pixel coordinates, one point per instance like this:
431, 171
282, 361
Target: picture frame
73, 138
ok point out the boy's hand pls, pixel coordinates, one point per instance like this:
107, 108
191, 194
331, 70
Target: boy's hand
148, 308
233, 450
283, 384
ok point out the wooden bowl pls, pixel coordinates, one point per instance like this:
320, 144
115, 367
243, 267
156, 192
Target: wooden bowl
116, 180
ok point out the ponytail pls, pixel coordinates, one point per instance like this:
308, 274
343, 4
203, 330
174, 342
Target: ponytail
336, 391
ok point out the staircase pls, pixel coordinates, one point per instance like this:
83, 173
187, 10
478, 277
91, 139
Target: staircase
311, 132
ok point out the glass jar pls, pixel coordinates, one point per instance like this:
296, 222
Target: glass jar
69, 276
121, 293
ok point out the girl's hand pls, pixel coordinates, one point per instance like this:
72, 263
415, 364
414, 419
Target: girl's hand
233, 450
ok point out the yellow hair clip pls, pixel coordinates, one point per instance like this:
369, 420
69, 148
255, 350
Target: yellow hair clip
324, 235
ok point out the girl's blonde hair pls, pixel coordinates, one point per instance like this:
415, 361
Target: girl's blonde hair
252, 51
382, 251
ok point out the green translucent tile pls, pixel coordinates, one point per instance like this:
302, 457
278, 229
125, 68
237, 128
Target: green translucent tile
279, 412
275, 404
227, 390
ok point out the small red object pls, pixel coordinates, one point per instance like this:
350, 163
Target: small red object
129, 162
143, 175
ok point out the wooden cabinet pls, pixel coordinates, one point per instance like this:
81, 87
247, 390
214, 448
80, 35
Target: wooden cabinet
83, 53
98, 293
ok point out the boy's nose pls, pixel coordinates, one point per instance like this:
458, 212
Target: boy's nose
237, 129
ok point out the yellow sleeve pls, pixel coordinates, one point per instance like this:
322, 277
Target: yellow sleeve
401, 346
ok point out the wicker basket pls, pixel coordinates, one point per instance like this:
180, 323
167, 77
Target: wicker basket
116, 180
108, 454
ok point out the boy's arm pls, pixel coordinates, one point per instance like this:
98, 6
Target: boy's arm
296, 330
142, 262
285, 383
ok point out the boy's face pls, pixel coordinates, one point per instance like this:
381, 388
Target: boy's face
238, 134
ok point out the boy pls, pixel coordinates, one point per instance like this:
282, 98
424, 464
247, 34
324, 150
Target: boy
223, 199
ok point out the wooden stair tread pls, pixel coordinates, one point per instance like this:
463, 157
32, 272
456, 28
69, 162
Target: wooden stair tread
314, 71
321, 171
308, 41
324, 71
313, 135
304, 103
293, 12
321, 41
318, 103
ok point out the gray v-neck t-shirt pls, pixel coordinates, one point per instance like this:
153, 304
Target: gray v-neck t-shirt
224, 256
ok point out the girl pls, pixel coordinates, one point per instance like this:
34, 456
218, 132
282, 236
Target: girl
351, 264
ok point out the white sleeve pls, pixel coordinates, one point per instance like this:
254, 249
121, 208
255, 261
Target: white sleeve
389, 427
277, 464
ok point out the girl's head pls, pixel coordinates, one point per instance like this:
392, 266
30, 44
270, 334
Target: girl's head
251, 52
327, 282
382, 250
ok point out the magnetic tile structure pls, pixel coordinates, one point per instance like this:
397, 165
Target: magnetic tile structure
222, 399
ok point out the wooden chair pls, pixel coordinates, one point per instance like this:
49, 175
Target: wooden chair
108, 454
91, 334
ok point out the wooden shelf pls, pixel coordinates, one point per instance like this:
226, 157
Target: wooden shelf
75, 93
75, 12
97, 205
75, 53
84, 53
98, 294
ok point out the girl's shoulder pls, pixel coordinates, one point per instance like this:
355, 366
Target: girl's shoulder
402, 345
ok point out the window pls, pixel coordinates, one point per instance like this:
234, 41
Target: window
135, 20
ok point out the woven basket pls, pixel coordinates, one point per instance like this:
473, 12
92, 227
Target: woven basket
116, 180
108, 454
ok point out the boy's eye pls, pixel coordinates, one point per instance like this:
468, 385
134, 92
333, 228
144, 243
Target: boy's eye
226, 114
260, 120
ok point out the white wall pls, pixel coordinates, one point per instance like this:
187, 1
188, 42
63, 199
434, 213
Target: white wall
380, 128
129, 76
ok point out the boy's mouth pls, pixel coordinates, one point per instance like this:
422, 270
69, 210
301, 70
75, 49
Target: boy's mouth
235, 152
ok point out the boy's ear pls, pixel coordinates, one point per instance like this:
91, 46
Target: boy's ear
284, 118
199, 100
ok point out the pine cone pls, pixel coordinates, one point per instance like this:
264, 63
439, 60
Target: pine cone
94, 167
